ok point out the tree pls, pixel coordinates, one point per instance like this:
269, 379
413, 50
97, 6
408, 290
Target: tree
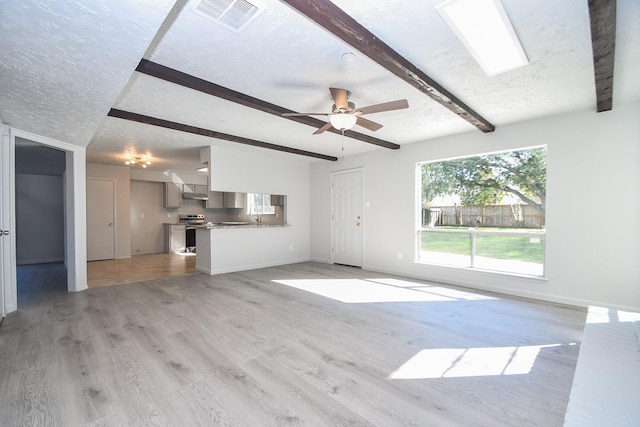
485, 179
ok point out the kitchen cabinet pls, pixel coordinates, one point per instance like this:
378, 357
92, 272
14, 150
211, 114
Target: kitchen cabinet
234, 200
194, 192
277, 200
175, 238
172, 195
214, 200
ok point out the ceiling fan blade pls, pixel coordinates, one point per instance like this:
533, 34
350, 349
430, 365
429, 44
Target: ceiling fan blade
368, 124
322, 128
385, 106
303, 114
340, 97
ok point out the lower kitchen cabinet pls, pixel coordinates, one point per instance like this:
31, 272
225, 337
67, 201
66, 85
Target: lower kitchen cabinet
175, 236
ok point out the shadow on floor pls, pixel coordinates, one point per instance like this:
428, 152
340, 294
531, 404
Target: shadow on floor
39, 279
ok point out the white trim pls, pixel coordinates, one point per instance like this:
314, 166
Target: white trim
75, 190
245, 267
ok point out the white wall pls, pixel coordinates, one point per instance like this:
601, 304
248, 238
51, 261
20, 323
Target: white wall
264, 172
593, 202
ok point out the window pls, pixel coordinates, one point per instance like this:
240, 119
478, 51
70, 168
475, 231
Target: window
485, 212
259, 204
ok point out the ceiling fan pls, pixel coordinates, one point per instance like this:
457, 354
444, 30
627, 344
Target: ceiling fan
345, 115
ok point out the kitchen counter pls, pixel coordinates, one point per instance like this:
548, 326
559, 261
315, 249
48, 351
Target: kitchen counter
250, 225
226, 248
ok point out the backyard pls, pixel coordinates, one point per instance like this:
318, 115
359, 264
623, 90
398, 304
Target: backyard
517, 248
495, 249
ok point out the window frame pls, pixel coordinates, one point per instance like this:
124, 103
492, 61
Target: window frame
535, 235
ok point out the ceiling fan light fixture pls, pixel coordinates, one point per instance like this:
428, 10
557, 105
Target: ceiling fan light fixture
134, 160
343, 121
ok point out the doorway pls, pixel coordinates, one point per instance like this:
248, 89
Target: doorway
39, 229
346, 217
74, 208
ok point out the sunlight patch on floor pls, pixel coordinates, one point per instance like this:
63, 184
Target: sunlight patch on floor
379, 290
469, 362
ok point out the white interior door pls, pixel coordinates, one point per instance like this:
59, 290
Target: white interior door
4, 231
346, 218
8, 284
100, 219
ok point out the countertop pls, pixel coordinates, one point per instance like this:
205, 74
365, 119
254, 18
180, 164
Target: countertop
250, 225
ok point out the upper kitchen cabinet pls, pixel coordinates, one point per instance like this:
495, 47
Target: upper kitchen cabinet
172, 195
214, 200
277, 200
194, 192
234, 200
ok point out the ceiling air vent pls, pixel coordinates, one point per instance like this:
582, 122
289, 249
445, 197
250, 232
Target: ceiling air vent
233, 14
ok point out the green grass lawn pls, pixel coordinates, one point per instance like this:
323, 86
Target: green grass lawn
518, 248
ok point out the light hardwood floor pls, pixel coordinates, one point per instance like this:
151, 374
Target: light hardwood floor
139, 267
244, 350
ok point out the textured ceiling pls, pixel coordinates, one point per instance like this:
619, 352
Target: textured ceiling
66, 63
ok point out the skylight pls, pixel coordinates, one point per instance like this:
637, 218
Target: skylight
485, 30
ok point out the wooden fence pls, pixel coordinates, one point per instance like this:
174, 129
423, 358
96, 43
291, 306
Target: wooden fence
501, 216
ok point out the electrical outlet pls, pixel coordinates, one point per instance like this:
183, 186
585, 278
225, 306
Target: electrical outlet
141, 216
291, 247
400, 255
168, 215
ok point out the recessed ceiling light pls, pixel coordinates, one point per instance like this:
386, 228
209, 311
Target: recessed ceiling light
349, 57
484, 28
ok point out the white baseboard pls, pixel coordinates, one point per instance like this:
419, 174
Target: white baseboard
236, 268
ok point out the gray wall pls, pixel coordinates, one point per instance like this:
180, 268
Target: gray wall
39, 203
39, 219
148, 215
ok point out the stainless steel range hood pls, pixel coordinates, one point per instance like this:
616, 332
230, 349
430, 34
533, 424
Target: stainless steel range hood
195, 196
194, 192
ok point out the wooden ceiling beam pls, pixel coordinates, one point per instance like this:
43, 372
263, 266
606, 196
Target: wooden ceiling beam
602, 14
183, 79
154, 121
336, 21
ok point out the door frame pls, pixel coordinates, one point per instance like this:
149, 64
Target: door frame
362, 234
75, 207
8, 296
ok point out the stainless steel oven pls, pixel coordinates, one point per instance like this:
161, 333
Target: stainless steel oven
191, 221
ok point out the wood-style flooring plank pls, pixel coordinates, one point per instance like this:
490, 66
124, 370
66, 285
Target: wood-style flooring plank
246, 349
